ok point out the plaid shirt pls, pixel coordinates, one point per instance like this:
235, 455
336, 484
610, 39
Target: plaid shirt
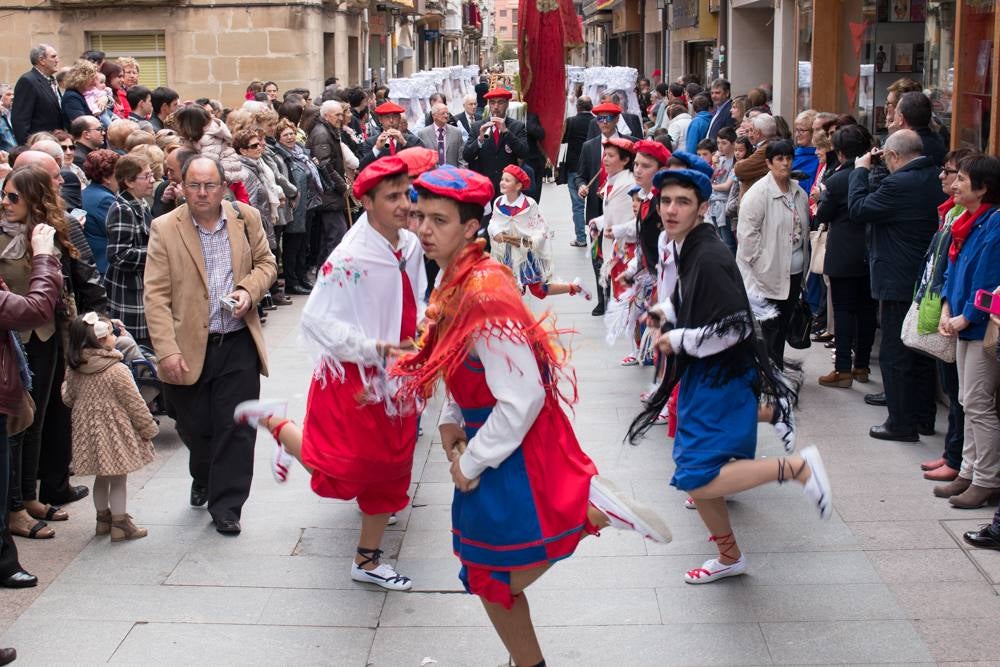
218, 254
128, 234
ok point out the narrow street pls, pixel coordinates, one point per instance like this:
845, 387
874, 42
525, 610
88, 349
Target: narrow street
887, 580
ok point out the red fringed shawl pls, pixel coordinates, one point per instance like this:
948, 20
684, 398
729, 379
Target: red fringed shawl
478, 298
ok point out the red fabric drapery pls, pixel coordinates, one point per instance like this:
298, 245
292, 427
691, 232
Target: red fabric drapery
546, 28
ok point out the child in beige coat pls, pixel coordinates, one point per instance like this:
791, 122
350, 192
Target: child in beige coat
112, 427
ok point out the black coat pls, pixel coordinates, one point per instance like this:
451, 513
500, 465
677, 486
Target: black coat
536, 158
490, 159
324, 146
74, 105
368, 148
574, 135
633, 122
902, 217
934, 146
36, 106
463, 121
846, 246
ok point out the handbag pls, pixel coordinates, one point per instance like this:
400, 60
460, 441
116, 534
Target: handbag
800, 324
562, 177
817, 240
929, 311
932, 344
25, 417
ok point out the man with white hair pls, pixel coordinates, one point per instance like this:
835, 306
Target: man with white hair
443, 138
324, 144
469, 115
7, 140
763, 130
37, 103
901, 214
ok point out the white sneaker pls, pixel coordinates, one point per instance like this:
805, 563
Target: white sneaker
392, 520
576, 287
689, 503
281, 463
630, 360
712, 570
384, 575
251, 412
626, 513
817, 489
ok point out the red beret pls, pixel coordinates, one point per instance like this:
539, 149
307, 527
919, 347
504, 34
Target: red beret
623, 144
519, 174
653, 149
389, 107
418, 159
498, 93
461, 185
373, 174
607, 108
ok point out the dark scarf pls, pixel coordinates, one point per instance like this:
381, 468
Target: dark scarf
649, 234
710, 291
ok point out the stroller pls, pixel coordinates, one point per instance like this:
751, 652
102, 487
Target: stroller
142, 362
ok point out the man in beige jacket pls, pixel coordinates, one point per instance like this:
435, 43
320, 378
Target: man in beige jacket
207, 266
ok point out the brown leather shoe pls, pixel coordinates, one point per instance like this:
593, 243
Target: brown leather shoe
943, 473
122, 528
103, 523
861, 374
837, 379
953, 488
974, 497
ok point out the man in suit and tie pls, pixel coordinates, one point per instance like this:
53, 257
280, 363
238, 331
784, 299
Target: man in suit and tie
468, 117
723, 104
37, 101
629, 124
391, 140
591, 175
444, 139
207, 266
497, 141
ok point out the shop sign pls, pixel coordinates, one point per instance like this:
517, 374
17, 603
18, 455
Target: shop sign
377, 24
685, 13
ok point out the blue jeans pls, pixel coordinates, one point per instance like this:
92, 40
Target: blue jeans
579, 210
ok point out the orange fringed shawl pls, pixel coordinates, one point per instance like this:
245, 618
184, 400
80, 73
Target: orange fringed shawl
478, 297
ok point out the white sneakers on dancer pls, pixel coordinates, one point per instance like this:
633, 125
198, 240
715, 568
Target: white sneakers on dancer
817, 489
383, 575
251, 413
626, 513
712, 570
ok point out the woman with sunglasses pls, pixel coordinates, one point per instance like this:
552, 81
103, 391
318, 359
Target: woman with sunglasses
28, 201
68, 148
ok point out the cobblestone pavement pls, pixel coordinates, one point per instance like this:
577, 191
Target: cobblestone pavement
885, 581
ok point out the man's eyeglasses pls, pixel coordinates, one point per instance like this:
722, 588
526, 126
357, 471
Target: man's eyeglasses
96, 129
203, 187
606, 119
12, 197
68, 148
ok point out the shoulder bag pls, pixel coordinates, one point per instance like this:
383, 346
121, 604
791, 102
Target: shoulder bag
932, 344
817, 240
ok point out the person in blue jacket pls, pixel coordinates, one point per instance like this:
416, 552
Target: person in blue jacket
97, 199
698, 129
974, 264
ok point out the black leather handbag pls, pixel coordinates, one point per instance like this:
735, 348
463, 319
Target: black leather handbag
800, 324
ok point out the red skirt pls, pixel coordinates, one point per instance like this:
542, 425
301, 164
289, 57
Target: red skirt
345, 439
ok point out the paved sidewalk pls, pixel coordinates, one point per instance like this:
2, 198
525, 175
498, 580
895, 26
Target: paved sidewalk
885, 581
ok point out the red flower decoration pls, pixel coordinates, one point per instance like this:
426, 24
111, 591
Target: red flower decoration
327, 268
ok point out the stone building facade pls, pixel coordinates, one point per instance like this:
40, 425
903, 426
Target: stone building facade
212, 49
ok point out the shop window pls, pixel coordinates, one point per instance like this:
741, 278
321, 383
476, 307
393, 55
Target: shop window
148, 48
973, 73
804, 60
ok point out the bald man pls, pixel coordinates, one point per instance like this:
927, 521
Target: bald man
71, 188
